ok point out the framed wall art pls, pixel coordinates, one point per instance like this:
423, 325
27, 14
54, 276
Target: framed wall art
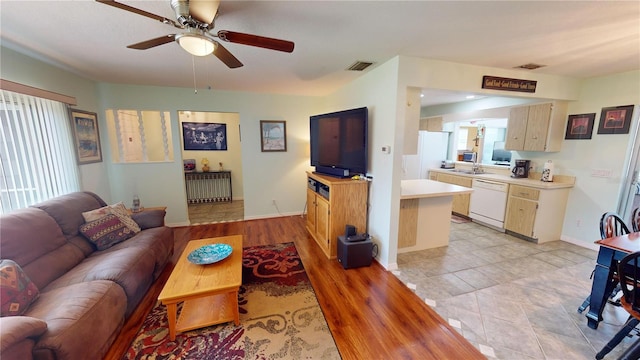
204, 136
580, 127
86, 136
615, 120
273, 135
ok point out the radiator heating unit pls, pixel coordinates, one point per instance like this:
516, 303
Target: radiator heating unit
208, 187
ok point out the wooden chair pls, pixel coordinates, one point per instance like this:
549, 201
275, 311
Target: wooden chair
629, 275
635, 219
611, 224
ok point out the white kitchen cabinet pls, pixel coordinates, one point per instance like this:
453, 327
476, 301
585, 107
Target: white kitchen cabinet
537, 127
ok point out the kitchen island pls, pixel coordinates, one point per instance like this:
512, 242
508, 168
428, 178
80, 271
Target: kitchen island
425, 213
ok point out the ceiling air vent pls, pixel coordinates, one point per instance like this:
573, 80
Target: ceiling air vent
530, 66
359, 65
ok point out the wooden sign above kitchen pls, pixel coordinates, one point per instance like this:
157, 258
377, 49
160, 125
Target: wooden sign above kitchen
500, 83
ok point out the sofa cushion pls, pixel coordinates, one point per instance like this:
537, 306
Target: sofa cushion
106, 231
131, 268
157, 243
22, 235
67, 209
18, 328
83, 320
17, 291
33, 239
149, 218
116, 209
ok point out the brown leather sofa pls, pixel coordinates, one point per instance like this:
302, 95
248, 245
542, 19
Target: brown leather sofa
85, 295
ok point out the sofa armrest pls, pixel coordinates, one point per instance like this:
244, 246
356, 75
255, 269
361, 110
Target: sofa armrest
149, 218
14, 329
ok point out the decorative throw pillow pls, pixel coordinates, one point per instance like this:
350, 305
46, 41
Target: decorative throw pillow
121, 211
17, 291
117, 209
106, 231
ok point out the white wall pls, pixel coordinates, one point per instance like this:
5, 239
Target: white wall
593, 196
266, 175
377, 90
26, 70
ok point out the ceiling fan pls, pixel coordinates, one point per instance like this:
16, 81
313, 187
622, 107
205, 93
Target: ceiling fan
196, 19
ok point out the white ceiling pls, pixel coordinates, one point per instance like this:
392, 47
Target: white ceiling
572, 38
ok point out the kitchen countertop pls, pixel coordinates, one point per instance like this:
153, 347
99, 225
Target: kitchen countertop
560, 181
425, 188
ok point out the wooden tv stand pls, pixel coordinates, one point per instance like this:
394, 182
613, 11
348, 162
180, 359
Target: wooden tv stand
333, 203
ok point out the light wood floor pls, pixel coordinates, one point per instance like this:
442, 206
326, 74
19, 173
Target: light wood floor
371, 314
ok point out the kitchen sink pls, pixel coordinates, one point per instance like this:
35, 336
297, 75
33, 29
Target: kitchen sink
470, 172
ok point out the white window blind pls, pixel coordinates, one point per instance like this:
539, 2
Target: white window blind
139, 136
37, 161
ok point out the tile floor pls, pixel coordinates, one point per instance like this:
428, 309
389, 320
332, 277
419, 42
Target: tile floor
208, 213
511, 298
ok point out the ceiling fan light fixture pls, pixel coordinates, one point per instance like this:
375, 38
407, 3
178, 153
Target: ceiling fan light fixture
196, 44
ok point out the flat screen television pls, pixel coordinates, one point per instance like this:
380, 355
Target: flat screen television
500, 156
339, 142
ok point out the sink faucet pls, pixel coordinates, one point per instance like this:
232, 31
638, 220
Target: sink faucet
475, 168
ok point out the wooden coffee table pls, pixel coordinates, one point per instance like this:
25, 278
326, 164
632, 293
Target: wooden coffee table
209, 292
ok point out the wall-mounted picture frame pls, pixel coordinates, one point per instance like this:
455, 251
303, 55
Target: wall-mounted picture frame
615, 120
273, 135
204, 136
86, 136
580, 126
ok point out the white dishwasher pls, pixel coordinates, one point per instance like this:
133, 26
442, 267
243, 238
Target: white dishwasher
488, 202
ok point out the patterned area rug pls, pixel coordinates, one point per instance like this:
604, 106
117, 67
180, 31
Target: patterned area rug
280, 318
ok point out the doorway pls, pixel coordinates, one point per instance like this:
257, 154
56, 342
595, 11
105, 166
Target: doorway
212, 154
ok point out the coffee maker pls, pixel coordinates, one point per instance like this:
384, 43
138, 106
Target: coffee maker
521, 169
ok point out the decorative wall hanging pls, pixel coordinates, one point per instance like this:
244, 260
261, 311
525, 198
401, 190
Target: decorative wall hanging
615, 120
580, 127
204, 136
273, 135
86, 136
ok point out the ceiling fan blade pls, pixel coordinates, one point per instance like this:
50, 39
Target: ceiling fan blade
122, 6
255, 40
204, 10
226, 57
153, 42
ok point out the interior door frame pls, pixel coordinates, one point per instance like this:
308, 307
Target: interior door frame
631, 176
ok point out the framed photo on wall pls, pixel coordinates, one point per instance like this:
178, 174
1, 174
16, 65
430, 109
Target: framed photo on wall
273, 135
204, 136
580, 127
86, 136
615, 120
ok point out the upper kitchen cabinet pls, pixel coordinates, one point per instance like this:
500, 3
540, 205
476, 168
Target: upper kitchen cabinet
537, 127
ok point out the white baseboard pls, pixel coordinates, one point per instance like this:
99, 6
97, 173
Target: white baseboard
256, 217
587, 245
178, 224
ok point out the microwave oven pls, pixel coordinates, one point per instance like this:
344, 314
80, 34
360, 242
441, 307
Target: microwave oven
469, 156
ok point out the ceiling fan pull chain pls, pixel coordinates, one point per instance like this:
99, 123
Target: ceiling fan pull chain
193, 65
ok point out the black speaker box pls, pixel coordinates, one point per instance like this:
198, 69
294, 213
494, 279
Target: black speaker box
333, 171
353, 254
349, 230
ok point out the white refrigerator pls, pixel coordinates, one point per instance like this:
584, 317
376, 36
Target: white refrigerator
432, 149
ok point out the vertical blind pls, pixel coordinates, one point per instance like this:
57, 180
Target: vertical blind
37, 160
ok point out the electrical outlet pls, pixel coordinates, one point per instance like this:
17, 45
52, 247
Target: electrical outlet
578, 222
273, 201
